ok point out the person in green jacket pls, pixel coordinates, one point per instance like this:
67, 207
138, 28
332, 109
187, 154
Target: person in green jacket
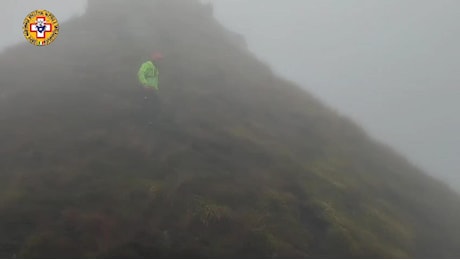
148, 72
148, 76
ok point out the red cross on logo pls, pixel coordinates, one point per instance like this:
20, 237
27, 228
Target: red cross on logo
41, 27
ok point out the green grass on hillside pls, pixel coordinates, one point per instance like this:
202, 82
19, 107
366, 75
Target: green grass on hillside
238, 162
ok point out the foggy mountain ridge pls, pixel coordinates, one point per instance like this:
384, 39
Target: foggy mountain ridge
238, 163
388, 65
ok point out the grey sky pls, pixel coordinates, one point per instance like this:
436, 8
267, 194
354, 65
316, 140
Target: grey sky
16, 10
392, 65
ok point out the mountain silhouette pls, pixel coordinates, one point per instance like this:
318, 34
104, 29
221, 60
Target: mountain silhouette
237, 161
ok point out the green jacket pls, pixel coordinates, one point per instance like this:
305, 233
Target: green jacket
148, 75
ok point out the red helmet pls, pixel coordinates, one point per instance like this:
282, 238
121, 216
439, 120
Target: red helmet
156, 56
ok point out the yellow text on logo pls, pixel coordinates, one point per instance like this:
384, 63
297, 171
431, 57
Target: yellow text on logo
40, 27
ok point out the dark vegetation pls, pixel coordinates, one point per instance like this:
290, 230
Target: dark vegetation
238, 162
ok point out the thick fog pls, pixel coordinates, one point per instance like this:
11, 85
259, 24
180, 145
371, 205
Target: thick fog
391, 65
16, 10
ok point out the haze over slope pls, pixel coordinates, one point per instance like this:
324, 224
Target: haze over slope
238, 163
388, 64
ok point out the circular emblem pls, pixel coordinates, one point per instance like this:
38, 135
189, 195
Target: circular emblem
40, 27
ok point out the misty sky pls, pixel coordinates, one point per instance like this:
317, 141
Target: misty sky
391, 65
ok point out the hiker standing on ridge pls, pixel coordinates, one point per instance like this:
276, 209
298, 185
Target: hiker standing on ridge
148, 75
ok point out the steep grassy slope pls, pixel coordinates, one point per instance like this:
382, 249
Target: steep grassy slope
238, 162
